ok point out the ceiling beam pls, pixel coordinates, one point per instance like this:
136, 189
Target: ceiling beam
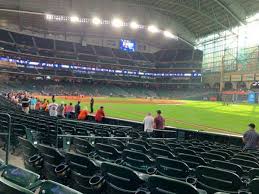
230, 11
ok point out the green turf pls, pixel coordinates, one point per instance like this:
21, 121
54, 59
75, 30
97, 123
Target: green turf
199, 115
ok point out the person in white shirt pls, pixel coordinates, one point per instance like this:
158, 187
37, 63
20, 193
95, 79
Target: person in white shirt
148, 123
53, 109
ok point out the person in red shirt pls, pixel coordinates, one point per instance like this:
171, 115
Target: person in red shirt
159, 124
38, 105
99, 116
83, 114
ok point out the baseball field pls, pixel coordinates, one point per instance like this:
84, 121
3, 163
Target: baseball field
194, 115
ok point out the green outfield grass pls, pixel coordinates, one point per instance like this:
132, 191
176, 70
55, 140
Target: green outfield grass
207, 116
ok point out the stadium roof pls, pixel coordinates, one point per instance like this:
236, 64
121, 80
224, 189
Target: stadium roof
189, 19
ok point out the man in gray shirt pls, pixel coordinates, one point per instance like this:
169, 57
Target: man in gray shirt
251, 138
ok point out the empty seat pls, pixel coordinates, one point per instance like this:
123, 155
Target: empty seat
253, 173
210, 156
172, 168
10, 188
29, 150
52, 158
117, 144
156, 152
246, 164
184, 151
162, 185
136, 160
120, 179
137, 147
221, 153
51, 187
227, 166
216, 180
254, 186
81, 170
83, 146
192, 160
160, 146
107, 152
246, 157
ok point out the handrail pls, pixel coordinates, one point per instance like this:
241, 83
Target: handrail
8, 135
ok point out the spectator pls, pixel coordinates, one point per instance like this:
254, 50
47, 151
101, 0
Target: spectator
60, 110
38, 105
99, 116
70, 110
33, 103
25, 104
44, 104
65, 110
52, 107
47, 106
159, 121
92, 105
83, 114
251, 138
77, 109
148, 123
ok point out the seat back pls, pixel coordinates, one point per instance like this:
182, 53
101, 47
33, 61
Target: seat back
82, 169
172, 168
51, 187
136, 160
254, 186
19, 176
211, 156
192, 160
10, 188
215, 180
137, 147
246, 164
162, 185
107, 152
160, 146
117, 144
82, 146
156, 152
184, 151
228, 166
120, 179
253, 173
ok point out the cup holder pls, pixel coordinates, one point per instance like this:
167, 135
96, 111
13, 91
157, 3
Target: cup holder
61, 170
97, 182
119, 161
191, 180
151, 171
36, 160
243, 192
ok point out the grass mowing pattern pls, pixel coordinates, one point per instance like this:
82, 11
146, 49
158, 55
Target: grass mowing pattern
199, 115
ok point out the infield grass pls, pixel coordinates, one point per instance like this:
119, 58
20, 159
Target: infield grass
198, 115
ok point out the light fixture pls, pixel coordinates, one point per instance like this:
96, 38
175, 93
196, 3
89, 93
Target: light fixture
134, 25
117, 23
74, 19
49, 16
153, 29
96, 21
169, 34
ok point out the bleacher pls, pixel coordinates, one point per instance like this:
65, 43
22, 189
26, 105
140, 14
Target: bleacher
69, 156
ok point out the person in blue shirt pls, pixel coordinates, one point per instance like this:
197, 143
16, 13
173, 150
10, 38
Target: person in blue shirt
33, 103
251, 138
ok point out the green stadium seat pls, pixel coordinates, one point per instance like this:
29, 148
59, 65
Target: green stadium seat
246, 157
228, 166
83, 146
221, 153
208, 157
174, 145
217, 180
245, 164
141, 142
162, 185
160, 146
137, 147
156, 152
253, 173
107, 152
196, 149
172, 168
51, 187
119, 145
52, 158
184, 151
254, 186
7, 187
32, 160
20, 177
191, 160
81, 171
137, 160
120, 179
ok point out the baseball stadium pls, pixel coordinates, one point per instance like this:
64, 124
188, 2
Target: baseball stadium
129, 96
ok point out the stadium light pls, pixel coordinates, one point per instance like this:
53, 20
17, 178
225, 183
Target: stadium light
169, 35
134, 25
49, 16
74, 19
117, 23
96, 21
153, 29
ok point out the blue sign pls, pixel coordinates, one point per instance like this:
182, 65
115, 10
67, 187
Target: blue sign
251, 98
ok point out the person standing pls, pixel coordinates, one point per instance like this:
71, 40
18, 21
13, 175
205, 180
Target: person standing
83, 114
53, 107
91, 105
148, 123
33, 103
159, 121
251, 138
77, 109
60, 110
25, 104
99, 116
